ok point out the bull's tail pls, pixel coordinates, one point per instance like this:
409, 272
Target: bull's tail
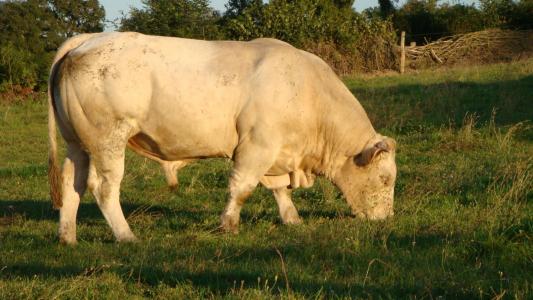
54, 175
54, 172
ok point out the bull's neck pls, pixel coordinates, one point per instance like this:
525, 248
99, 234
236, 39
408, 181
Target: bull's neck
344, 131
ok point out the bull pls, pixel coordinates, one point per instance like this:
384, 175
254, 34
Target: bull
280, 113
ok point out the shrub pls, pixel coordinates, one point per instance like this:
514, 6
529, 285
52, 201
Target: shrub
348, 41
17, 66
32, 31
180, 18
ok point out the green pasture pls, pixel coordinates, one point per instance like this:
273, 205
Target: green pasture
463, 223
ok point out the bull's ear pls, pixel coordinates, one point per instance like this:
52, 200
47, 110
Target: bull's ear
365, 157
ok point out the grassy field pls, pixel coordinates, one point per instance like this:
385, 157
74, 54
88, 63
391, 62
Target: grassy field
462, 229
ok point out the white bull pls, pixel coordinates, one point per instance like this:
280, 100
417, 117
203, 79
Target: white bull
279, 113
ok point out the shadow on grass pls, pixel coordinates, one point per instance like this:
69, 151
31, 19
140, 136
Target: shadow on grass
405, 106
260, 263
39, 210
178, 218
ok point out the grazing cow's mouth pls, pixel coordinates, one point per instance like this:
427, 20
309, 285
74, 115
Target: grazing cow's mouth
375, 206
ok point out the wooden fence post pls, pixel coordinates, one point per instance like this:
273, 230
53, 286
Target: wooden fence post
402, 55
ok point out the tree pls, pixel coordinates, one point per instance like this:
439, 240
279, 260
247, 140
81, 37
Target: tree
296, 22
78, 16
32, 30
344, 3
386, 8
180, 18
235, 8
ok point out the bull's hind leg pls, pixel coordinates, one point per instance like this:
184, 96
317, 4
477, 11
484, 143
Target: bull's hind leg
105, 175
171, 168
74, 184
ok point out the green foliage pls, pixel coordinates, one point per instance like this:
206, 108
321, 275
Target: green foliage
424, 20
180, 18
339, 35
386, 8
296, 22
17, 66
76, 17
344, 4
462, 227
32, 31
25, 24
508, 13
427, 20
235, 8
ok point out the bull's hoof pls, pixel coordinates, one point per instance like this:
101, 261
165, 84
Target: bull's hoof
65, 240
127, 238
229, 223
292, 220
291, 217
67, 233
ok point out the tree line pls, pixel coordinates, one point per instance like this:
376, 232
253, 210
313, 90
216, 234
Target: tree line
31, 31
428, 20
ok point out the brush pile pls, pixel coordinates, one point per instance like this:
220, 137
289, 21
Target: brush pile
488, 46
370, 54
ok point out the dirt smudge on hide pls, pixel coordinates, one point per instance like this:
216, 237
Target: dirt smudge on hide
227, 79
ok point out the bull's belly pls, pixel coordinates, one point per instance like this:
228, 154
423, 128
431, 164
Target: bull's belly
181, 144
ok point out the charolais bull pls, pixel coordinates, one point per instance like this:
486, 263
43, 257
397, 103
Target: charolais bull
281, 114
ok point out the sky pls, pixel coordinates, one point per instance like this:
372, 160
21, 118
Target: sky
113, 8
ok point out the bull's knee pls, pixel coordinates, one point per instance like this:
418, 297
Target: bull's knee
240, 190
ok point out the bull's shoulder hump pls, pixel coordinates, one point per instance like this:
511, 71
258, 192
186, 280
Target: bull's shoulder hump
315, 59
270, 41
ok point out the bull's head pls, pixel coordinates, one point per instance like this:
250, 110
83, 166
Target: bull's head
367, 179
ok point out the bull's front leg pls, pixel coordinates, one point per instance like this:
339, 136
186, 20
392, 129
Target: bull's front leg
279, 187
252, 160
287, 210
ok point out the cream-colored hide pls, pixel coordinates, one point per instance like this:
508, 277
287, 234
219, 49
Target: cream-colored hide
279, 113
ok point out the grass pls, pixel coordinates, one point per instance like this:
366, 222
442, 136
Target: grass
462, 228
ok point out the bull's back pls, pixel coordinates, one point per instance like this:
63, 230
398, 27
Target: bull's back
184, 96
